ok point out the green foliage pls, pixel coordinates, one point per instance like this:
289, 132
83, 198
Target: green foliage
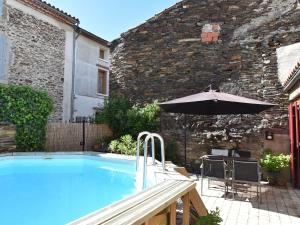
114, 114
28, 109
171, 149
124, 118
213, 218
275, 163
124, 145
143, 118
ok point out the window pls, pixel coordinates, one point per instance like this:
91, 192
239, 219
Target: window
102, 54
102, 82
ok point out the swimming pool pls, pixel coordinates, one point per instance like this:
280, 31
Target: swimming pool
59, 189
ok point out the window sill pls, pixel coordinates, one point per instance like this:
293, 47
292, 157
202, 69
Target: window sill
103, 60
102, 95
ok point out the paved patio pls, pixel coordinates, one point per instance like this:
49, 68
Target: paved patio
280, 206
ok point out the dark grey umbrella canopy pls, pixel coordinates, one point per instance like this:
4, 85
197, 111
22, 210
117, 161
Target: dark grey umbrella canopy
215, 103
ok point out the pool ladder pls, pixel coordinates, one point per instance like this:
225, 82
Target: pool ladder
149, 136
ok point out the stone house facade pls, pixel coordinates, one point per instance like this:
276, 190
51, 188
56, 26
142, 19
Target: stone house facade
38, 47
231, 45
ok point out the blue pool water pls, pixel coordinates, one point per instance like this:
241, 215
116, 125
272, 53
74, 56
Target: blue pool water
38, 191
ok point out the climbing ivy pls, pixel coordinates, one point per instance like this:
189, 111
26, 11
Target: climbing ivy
28, 109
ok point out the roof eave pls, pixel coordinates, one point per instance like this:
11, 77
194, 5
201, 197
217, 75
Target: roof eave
94, 37
292, 82
51, 10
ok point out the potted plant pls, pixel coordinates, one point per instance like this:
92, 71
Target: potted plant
273, 164
213, 218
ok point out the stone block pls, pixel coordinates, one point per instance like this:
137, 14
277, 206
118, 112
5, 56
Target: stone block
181, 64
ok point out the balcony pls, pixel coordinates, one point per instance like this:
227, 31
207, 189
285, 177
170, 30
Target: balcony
103, 63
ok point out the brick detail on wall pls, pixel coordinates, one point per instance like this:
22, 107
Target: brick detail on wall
210, 33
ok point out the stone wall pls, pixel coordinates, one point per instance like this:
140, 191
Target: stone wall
229, 44
36, 55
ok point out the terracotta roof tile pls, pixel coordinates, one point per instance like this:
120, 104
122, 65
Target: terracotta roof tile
51, 10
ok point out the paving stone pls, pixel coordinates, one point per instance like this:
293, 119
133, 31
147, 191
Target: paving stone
240, 211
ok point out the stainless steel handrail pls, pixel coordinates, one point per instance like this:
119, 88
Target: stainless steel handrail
162, 147
138, 148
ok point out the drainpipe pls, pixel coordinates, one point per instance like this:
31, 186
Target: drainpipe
76, 34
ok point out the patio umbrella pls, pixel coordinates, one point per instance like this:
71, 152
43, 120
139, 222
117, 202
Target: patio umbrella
214, 103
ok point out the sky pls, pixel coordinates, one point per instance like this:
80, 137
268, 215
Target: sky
109, 18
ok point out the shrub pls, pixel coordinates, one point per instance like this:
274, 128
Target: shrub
275, 163
124, 118
28, 109
171, 150
114, 114
213, 218
124, 145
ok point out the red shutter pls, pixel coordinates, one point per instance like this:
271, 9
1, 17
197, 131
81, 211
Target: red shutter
292, 141
297, 150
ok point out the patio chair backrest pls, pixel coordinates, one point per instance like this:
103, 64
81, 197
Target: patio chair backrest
246, 171
214, 168
220, 152
243, 153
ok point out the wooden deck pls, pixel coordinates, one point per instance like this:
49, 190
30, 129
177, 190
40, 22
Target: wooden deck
156, 205
280, 206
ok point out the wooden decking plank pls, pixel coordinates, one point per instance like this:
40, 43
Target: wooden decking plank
198, 203
149, 208
134, 211
173, 213
182, 170
186, 209
102, 215
161, 219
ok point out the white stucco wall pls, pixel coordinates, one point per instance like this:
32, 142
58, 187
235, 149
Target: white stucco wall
85, 106
86, 77
68, 73
287, 59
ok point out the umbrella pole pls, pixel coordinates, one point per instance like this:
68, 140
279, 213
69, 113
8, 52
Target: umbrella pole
185, 139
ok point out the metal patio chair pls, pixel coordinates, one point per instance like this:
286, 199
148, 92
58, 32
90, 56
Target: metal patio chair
247, 172
213, 170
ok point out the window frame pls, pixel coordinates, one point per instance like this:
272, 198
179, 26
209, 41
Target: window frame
101, 50
105, 51
107, 82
